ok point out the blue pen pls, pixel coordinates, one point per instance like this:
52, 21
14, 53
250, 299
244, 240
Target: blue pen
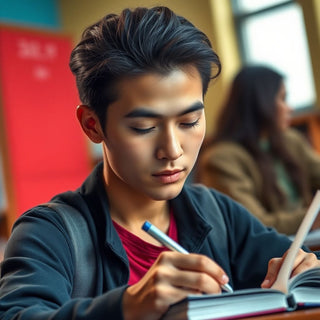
171, 244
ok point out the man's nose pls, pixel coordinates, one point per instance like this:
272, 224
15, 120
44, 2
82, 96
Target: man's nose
170, 147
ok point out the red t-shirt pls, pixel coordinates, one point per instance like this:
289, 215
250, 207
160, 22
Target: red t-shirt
142, 254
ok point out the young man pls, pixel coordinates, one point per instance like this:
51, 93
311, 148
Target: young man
141, 77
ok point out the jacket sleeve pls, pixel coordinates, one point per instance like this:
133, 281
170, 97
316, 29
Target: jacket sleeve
233, 172
37, 275
251, 244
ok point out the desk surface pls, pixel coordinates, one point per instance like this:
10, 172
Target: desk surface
307, 314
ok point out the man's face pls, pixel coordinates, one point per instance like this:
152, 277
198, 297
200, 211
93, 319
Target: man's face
154, 132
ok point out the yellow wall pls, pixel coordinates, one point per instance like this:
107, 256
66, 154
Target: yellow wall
311, 10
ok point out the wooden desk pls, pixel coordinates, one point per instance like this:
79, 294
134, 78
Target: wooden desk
307, 314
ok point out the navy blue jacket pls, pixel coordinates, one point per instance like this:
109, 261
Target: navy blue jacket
37, 273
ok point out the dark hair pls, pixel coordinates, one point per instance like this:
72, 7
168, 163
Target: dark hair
252, 98
136, 42
250, 109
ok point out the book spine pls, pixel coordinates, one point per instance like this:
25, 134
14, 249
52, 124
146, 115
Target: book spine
292, 305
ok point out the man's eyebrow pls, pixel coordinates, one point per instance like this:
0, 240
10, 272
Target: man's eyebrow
147, 113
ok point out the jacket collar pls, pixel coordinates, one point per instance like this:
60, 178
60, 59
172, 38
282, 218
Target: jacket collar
192, 227
93, 190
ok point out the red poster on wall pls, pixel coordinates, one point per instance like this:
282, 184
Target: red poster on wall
47, 149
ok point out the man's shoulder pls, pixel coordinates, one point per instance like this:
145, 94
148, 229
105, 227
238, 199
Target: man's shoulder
53, 210
206, 198
202, 195
199, 190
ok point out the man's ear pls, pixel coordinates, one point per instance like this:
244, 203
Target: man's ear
90, 123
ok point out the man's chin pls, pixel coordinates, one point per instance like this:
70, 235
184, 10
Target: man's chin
169, 192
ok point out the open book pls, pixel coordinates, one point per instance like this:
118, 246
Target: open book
301, 291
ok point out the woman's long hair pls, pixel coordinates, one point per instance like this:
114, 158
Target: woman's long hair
251, 110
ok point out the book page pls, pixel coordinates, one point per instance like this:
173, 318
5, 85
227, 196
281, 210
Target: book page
284, 274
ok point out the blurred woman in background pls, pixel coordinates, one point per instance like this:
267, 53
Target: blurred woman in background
255, 157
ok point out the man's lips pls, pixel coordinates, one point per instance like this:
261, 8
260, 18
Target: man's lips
168, 176
167, 172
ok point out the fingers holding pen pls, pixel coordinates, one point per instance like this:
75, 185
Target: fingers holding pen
194, 271
171, 278
200, 264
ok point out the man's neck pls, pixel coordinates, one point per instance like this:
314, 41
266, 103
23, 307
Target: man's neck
131, 209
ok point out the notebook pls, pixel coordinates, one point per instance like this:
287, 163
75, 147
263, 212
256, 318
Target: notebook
301, 291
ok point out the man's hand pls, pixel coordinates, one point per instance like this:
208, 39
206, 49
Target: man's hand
303, 261
172, 277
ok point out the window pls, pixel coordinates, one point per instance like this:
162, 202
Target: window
272, 32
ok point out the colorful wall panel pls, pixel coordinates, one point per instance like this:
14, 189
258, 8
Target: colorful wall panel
45, 147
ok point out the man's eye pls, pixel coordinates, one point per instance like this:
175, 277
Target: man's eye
142, 131
190, 124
